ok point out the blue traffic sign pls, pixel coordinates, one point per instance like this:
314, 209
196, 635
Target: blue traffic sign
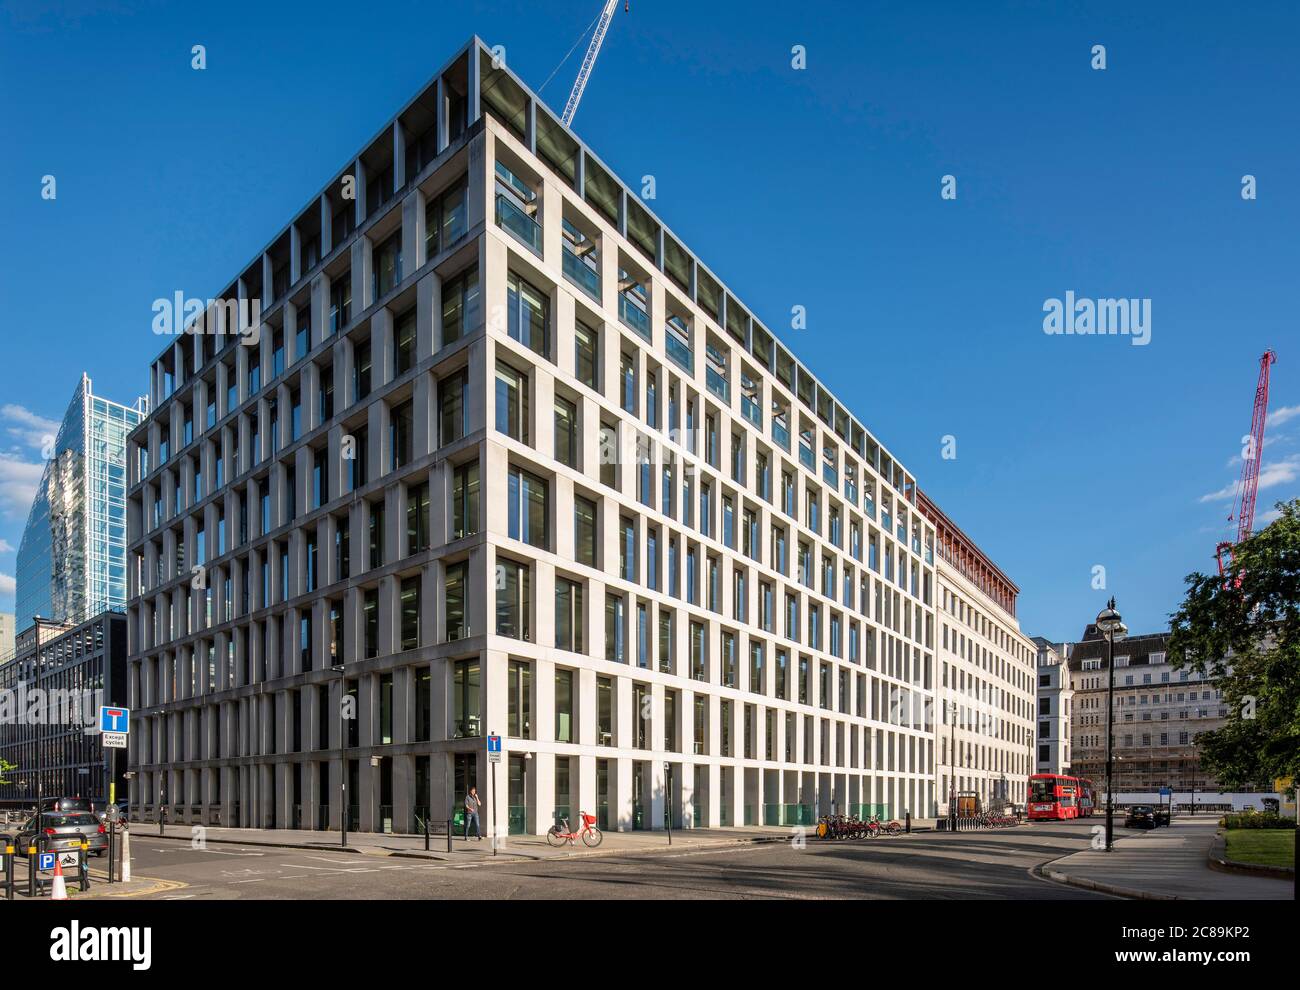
45, 861
494, 743
1164, 792
112, 719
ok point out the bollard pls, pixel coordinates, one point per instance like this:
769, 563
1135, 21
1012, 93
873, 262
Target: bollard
426, 833
9, 868
908, 818
84, 865
31, 871
111, 837
126, 855
162, 818
448, 830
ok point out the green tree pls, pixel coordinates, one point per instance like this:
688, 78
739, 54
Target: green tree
6, 767
1253, 626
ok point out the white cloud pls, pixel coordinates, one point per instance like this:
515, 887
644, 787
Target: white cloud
6, 546
7, 584
1282, 415
1271, 475
1272, 515
19, 480
1269, 440
1228, 491
32, 429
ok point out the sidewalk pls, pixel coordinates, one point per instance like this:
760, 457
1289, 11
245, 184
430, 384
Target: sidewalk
529, 847
1164, 864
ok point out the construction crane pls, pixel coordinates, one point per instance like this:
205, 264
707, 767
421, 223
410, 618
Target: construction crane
1248, 486
589, 60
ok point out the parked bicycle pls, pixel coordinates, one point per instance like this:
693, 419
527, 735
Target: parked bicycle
891, 827
841, 827
589, 833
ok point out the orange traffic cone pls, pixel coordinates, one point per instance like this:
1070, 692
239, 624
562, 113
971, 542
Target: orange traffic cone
58, 889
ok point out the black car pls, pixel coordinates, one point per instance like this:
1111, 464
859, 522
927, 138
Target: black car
1162, 815
1140, 816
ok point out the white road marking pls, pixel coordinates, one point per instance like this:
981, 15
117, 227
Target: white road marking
336, 862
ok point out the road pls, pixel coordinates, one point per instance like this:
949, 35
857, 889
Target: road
980, 865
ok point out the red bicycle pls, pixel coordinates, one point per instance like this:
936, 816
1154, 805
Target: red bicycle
893, 827
589, 833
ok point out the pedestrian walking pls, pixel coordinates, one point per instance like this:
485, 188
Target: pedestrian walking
472, 807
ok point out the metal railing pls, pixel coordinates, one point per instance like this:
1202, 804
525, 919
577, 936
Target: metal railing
512, 218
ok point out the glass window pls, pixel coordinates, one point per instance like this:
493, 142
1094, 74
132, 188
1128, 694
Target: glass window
519, 705
453, 406
455, 589
466, 688
566, 432
528, 316
460, 306
404, 351
410, 612
586, 355
568, 615
527, 499
387, 261
514, 599
584, 530
564, 706
401, 435
511, 402
464, 500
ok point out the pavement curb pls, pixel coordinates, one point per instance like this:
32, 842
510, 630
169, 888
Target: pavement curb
1106, 888
1217, 859
508, 856
1045, 870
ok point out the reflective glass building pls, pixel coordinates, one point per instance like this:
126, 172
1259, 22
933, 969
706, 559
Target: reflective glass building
72, 559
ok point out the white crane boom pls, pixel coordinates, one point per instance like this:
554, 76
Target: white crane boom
588, 61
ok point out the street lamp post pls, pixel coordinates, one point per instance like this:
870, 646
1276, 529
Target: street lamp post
343, 757
1110, 625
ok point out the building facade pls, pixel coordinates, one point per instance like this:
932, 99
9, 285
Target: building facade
72, 559
503, 456
986, 677
7, 634
50, 693
1159, 712
1054, 712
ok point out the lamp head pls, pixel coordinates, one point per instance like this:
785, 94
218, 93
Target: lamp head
1109, 622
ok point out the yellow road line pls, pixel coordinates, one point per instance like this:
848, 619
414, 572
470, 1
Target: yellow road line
159, 886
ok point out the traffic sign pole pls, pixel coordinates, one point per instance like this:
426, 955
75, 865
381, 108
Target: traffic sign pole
494, 757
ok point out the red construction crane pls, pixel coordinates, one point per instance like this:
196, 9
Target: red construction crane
1248, 485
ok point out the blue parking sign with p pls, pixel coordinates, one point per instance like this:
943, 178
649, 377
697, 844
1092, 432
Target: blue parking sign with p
113, 719
45, 861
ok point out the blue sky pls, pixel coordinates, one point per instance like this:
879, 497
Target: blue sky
818, 188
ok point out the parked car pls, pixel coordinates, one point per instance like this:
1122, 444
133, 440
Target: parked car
64, 832
1162, 814
1141, 816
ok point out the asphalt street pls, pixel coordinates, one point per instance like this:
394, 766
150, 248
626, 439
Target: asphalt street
993, 864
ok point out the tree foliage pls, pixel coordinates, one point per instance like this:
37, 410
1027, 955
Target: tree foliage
1246, 632
6, 767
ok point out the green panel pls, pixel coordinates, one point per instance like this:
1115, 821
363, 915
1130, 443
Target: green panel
518, 819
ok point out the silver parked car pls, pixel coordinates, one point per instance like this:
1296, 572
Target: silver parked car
64, 832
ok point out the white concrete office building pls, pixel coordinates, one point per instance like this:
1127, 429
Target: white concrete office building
506, 457
986, 675
1055, 701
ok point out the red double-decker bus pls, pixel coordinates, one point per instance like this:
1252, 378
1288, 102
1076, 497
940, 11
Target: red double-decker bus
1052, 796
1087, 797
